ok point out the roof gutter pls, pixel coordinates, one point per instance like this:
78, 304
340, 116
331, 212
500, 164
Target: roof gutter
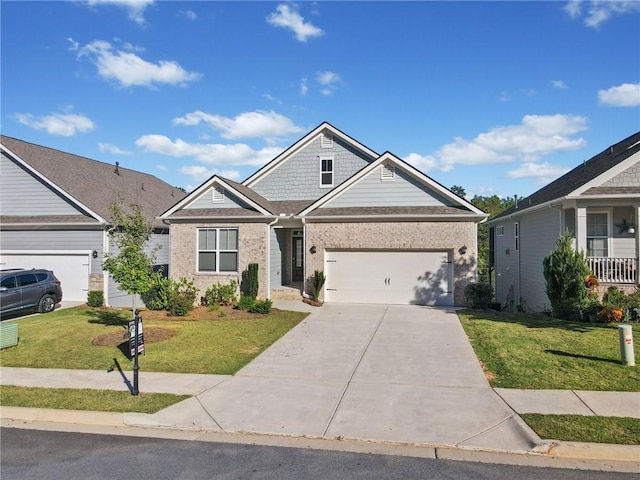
534, 208
457, 218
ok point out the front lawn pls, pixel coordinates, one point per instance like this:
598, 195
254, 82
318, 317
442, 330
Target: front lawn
540, 352
211, 342
580, 428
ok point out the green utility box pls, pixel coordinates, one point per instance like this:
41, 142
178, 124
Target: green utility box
8, 335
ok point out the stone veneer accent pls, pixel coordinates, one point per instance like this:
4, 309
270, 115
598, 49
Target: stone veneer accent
441, 236
252, 248
96, 282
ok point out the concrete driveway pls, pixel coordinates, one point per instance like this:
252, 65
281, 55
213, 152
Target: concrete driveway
371, 372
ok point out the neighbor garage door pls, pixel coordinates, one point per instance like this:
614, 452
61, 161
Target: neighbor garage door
394, 277
72, 269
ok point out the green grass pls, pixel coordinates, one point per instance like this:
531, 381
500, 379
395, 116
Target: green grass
85, 399
62, 339
536, 351
579, 428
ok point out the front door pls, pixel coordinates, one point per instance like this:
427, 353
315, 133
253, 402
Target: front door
298, 259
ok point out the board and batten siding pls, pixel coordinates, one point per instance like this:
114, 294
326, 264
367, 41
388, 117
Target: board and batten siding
539, 233
402, 191
55, 240
22, 194
298, 177
276, 247
205, 200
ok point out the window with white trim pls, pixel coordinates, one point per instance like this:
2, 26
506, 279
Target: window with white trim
598, 234
500, 230
516, 235
326, 171
387, 173
217, 250
326, 140
217, 195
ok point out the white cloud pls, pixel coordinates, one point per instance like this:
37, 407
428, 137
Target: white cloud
162, 168
625, 95
135, 8
329, 82
542, 172
128, 69
238, 154
535, 137
107, 147
190, 14
286, 17
597, 12
304, 88
559, 84
63, 124
198, 173
246, 125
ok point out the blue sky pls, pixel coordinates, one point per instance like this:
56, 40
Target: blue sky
497, 97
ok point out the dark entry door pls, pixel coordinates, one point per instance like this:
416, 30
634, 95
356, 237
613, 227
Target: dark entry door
298, 259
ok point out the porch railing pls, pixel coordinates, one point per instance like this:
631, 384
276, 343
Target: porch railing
614, 270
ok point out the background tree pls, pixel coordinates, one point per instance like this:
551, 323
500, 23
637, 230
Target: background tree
132, 266
565, 273
458, 190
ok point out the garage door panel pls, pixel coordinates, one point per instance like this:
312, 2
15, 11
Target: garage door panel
72, 269
396, 277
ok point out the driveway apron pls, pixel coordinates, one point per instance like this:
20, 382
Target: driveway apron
371, 372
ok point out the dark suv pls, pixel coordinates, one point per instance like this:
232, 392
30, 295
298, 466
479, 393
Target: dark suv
28, 290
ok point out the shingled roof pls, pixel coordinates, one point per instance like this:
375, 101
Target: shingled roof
579, 176
95, 184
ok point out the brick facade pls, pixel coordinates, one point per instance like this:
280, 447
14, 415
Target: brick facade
252, 248
449, 236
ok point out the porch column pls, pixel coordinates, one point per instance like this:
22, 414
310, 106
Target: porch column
581, 229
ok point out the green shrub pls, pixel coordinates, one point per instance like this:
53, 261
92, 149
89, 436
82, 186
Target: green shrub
221, 294
245, 302
318, 283
252, 281
263, 306
159, 295
614, 297
479, 295
180, 304
565, 271
95, 298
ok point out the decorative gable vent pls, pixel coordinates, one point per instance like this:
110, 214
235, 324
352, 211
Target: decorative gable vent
326, 140
218, 195
387, 172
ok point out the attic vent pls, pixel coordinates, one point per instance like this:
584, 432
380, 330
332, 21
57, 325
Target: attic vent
218, 195
387, 172
326, 140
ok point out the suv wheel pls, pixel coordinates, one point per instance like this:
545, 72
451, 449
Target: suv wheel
47, 304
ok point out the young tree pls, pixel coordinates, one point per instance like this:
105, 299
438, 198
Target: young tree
565, 272
132, 266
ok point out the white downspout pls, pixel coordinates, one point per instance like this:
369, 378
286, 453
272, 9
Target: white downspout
304, 246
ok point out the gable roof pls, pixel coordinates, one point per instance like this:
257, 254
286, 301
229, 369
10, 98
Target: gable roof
582, 178
459, 205
325, 126
91, 185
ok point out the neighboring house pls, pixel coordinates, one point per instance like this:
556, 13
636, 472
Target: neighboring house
382, 231
598, 202
54, 209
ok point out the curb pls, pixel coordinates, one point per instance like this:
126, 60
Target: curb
550, 453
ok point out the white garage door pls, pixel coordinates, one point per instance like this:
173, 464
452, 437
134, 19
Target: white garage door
394, 277
71, 268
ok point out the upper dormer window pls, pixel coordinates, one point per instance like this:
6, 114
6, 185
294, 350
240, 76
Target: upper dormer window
217, 195
326, 140
326, 171
387, 173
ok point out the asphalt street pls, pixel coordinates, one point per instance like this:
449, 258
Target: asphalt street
48, 455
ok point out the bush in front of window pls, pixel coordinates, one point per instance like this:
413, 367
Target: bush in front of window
221, 295
180, 304
245, 302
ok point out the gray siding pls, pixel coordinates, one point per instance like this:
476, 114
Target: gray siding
623, 244
403, 191
506, 264
276, 257
539, 232
23, 194
205, 200
58, 240
298, 178
164, 252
